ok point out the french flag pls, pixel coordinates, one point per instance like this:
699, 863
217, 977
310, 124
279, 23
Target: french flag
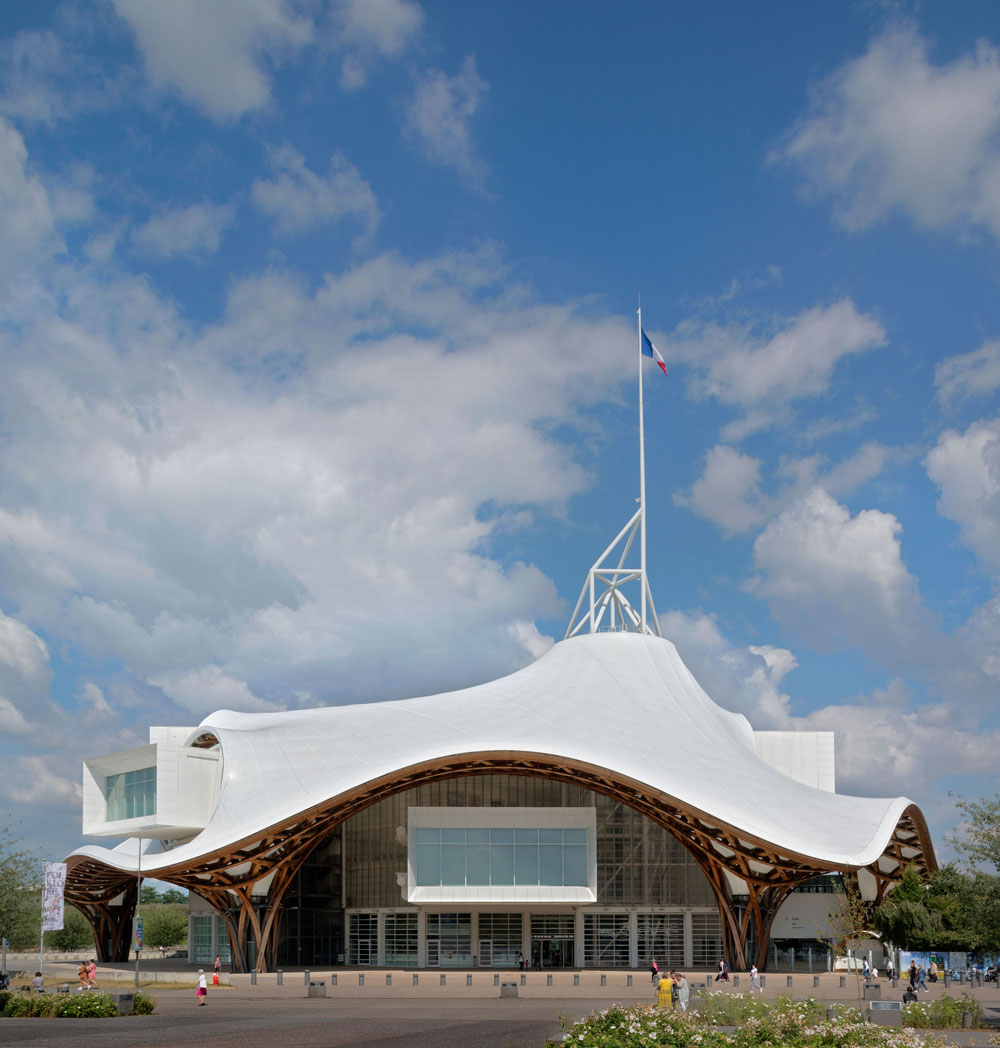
649, 350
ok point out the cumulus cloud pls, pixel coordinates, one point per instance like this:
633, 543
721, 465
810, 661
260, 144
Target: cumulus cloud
892, 131
208, 688
366, 28
730, 490
966, 468
439, 116
298, 199
975, 374
33, 780
193, 230
763, 372
216, 55
839, 580
25, 678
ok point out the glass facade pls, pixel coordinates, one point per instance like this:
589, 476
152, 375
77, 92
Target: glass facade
130, 794
500, 856
208, 938
348, 902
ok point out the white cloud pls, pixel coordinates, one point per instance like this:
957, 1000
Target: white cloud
213, 54
208, 688
440, 114
763, 373
730, 494
839, 580
728, 491
374, 27
890, 130
975, 374
25, 678
26, 222
32, 780
298, 199
966, 468
93, 702
193, 230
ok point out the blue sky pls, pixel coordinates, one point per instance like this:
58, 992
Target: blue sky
318, 334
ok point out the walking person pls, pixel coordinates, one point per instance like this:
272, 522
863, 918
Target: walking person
81, 974
922, 979
654, 971
202, 992
92, 974
890, 969
723, 973
755, 979
218, 969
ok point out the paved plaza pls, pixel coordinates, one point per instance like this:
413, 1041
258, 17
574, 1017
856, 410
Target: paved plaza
388, 1009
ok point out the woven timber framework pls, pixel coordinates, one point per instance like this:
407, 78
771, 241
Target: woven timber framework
247, 882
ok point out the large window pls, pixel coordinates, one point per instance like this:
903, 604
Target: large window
605, 940
501, 938
449, 940
485, 857
363, 938
706, 936
130, 794
401, 939
661, 938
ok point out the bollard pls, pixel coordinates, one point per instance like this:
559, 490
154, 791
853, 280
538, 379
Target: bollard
628, 981
763, 981
361, 978
576, 978
843, 981
468, 978
815, 980
548, 979
788, 980
333, 978
444, 979
253, 978
736, 982
307, 978
496, 978
524, 980
966, 1020
604, 979
281, 977
388, 978
416, 979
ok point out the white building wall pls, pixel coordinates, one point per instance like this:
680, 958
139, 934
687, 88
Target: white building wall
805, 756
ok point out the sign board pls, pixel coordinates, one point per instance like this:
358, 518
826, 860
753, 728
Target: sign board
53, 886
138, 933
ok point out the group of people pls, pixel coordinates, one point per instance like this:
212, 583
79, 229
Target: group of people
672, 990
87, 974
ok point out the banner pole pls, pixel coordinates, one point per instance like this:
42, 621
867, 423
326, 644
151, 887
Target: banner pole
642, 484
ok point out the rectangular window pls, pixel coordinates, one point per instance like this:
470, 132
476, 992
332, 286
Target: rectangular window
706, 939
363, 947
401, 939
449, 935
605, 940
661, 938
130, 795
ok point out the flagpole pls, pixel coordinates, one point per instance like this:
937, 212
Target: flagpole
642, 484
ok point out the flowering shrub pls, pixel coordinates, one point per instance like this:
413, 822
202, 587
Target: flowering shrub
942, 1014
789, 1023
87, 1005
29, 1005
143, 1004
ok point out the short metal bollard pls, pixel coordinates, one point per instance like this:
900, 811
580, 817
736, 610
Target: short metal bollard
788, 980
496, 978
524, 980
281, 977
736, 982
628, 981
885, 1013
843, 981
468, 978
548, 979
317, 989
333, 978
576, 978
604, 979
361, 978
253, 978
416, 979
508, 989
307, 977
444, 979
388, 978
815, 980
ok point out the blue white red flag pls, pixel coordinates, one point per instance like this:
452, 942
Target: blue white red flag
649, 350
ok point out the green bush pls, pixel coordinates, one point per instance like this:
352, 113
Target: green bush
143, 1005
30, 1006
85, 1005
943, 1014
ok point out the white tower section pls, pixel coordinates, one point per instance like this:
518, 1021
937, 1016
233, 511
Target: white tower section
603, 604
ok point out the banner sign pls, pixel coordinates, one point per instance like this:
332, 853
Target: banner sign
138, 933
52, 896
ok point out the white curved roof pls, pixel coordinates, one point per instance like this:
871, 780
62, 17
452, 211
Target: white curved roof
621, 701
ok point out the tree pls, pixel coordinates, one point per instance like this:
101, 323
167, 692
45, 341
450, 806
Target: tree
165, 925
905, 918
19, 875
149, 895
979, 848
